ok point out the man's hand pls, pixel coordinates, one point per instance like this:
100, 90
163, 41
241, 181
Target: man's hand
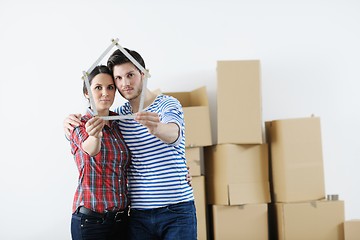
188, 176
150, 120
167, 132
73, 120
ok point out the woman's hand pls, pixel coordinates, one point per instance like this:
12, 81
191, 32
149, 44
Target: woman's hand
94, 127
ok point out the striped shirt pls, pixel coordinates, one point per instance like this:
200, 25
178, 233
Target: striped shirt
157, 173
102, 183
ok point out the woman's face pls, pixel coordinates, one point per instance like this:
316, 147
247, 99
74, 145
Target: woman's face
103, 91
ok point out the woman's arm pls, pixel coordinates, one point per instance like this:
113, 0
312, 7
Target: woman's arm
92, 144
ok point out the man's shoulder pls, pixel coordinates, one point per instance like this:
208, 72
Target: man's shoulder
123, 109
166, 98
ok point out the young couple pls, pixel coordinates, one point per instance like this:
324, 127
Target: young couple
132, 172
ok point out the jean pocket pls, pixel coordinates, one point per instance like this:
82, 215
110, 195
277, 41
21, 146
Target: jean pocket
87, 221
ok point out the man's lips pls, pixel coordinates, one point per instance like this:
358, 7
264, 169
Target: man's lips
127, 90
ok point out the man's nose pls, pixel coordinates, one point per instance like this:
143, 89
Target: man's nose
127, 81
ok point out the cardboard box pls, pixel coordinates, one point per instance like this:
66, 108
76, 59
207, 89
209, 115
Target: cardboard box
317, 220
198, 184
195, 160
197, 117
237, 174
239, 107
297, 171
352, 229
247, 221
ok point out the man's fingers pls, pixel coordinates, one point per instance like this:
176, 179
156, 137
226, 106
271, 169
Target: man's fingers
147, 119
74, 119
67, 133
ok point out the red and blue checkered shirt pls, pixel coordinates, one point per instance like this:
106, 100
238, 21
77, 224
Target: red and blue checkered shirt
102, 183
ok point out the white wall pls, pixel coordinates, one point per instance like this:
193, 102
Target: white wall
309, 52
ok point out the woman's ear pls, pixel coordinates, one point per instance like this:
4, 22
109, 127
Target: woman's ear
86, 95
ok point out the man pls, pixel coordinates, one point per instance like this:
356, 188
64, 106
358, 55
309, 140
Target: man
162, 201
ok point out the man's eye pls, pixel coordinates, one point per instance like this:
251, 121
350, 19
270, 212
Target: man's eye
130, 75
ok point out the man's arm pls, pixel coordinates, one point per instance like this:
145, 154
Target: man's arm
167, 132
73, 120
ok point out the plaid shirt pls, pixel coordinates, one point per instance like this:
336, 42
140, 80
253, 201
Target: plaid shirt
102, 183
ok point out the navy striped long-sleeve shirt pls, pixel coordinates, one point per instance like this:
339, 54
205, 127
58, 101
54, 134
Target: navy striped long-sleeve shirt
157, 173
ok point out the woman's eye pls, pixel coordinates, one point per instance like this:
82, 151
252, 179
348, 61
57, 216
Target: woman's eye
111, 87
98, 88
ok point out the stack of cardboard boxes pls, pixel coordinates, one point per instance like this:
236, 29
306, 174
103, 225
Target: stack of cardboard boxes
197, 136
245, 188
299, 209
237, 182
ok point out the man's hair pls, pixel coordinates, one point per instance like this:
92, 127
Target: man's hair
97, 70
117, 57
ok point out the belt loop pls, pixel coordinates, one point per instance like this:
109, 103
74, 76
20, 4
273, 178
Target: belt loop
77, 210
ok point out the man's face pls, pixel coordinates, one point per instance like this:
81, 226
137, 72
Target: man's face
128, 80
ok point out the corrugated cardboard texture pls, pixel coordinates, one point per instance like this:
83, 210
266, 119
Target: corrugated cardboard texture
248, 222
317, 220
352, 229
239, 107
195, 160
236, 174
197, 117
198, 184
296, 159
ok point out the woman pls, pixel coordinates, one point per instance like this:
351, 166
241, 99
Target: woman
100, 207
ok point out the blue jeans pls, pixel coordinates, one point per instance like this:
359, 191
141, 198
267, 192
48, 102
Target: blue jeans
85, 227
177, 221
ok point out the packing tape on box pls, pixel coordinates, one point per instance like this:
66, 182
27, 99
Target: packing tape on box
332, 197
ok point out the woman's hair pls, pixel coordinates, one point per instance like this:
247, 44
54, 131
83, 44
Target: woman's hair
97, 70
117, 57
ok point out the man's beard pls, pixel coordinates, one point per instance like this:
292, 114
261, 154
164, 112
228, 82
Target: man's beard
133, 98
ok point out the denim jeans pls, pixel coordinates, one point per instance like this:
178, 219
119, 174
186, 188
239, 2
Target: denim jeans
177, 221
84, 227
